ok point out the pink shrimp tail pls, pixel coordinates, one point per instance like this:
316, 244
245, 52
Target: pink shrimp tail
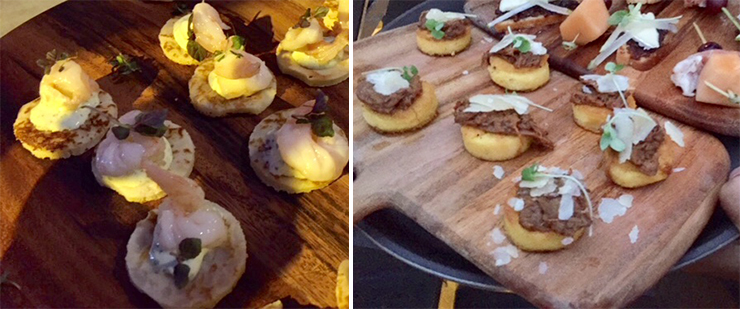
185, 192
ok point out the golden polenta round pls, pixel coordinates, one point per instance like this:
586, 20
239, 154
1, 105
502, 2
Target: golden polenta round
628, 175
533, 240
314, 78
169, 46
65, 143
210, 103
512, 78
493, 147
421, 112
429, 45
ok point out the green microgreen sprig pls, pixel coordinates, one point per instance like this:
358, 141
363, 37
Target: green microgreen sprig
321, 123
238, 42
51, 58
571, 45
305, 21
124, 65
409, 72
609, 138
613, 68
532, 173
435, 27
146, 123
522, 44
195, 50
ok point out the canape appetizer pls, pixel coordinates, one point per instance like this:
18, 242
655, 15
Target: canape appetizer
586, 23
188, 253
637, 151
396, 99
712, 76
518, 63
551, 210
300, 149
594, 101
443, 33
135, 138
523, 14
193, 37
69, 117
638, 38
498, 127
316, 49
233, 81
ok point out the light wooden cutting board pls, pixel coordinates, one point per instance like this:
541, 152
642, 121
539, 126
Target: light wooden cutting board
431, 178
655, 90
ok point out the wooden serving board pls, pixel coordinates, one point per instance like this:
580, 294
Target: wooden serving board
654, 89
63, 236
430, 177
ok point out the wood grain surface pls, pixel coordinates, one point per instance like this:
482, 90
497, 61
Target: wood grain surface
430, 177
63, 236
655, 90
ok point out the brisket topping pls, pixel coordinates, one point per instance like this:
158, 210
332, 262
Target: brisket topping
453, 29
541, 213
645, 154
507, 122
387, 104
517, 58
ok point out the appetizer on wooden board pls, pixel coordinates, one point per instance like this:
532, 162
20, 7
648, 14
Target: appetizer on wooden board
443, 33
595, 100
396, 99
71, 115
316, 49
191, 38
518, 63
299, 150
135, 138
452, 193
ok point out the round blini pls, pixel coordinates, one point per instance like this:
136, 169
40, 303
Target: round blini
420, 113
265, 159
493, 147
429, 45
183, 160
533, 240
212, 104
66, 143
510, 77
314, 78
169, 46
221, 269
627, 175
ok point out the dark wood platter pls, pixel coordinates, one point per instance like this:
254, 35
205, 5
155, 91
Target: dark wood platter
63, 236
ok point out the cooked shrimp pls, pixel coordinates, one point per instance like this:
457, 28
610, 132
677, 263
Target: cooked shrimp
67, 83
186, 195
208, 27
116, 157
206, 224
318, 158
234, 67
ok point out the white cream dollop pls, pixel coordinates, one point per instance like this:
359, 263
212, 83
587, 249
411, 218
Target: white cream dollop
387, 82
317, 158
233, 76
64, 93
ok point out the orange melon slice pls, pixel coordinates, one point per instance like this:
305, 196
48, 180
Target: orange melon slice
723, 71
588, 21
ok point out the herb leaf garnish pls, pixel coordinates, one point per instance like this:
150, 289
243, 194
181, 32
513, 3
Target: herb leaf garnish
617, 17
238, 42
305, 20
146, 123
613, 68
124, 65
189, 248
194, 49
51, 58
522, 44
436, 28
321, 12
321, 123
180, 274
409, 72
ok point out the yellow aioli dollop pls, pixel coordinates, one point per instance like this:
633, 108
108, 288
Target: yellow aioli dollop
180, 31
138, 183
297, 38
310, 62
231, 76
64, 93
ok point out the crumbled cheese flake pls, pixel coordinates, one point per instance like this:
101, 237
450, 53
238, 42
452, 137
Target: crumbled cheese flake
498, 172
611, 208
543, 268
674, 132
465, 72
626, 200
497, 236
516, 203
497, 209
679, 169
567, 241
634, 234
503, 255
